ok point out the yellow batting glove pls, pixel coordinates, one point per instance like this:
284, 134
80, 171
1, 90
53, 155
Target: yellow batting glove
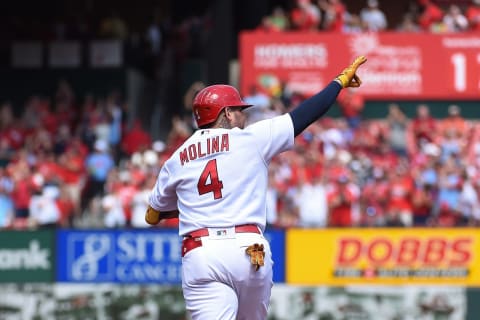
348, 77
152, 216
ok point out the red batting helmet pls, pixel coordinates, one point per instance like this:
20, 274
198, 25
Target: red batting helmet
210, 101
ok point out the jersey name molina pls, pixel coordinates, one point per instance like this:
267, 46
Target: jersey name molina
204, 147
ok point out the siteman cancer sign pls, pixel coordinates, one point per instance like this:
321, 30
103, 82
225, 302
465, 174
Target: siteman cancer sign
383, 256
118, 256
133, 256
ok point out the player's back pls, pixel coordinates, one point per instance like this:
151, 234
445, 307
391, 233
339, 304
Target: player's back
221, 175
221, 179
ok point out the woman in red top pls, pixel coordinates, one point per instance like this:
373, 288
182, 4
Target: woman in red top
342, 199
400, 200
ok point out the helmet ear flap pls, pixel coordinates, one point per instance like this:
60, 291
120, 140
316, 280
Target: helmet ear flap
204, 115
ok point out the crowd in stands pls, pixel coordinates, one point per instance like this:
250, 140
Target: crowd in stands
397, 171
69, 161
78, 162
336, 16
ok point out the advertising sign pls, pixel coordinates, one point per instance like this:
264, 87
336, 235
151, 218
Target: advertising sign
119, 256
383, 256
26, 256
136, 256
400, 65
277, 245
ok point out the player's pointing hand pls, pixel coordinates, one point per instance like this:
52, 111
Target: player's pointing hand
348, 77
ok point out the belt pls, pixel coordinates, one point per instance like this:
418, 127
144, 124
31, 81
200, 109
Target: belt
192, 240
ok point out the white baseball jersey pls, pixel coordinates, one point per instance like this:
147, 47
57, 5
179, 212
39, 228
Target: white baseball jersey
219, 177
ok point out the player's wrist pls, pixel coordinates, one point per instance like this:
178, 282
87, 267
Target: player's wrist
343, 82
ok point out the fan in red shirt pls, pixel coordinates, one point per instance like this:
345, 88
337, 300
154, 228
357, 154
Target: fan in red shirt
351, 105
305, 16
71, 171
24, 185
341, 200
473, 15
400, 197
367, 137
430, 15
125, 192
422, 204
384, 157
374, 199
306, 166
334, 14
71, 163
136, 139
66, 206
422, 130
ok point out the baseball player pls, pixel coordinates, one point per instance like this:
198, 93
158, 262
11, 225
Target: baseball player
216, 183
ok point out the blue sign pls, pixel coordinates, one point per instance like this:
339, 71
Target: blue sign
137, 256
134, 256
277, 245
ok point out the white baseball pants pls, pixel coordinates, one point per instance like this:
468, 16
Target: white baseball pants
219, 282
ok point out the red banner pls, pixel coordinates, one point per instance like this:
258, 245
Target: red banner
401, 66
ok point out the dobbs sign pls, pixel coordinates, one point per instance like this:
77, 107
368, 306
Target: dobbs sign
383, 256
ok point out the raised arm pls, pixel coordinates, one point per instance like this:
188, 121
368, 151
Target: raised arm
316, 106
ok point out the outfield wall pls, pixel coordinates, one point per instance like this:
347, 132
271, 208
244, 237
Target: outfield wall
319, 274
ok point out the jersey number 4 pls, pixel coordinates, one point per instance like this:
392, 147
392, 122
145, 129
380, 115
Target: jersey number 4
215, 184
